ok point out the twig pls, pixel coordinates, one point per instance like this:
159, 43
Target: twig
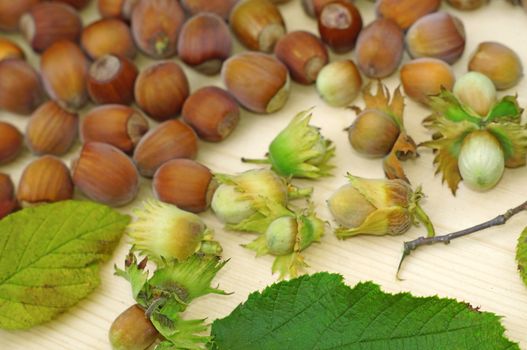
498, 220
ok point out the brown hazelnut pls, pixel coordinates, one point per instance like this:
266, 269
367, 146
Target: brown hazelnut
258, 24
116, 8
51, 129
439, 35
185, 183
405, 12
467, 4
9, 49
11, 142
49, 22
303, 53
220, 7
20, 87
424, 77
44, 180
117, 125
105, 174
64, 70
156, 25
161, 89
108, 36
212, 112
111, 79
258, 81
78, 4
313, 7
11, 11
339, 25
8, 202
169, 140
205, 42
380, 48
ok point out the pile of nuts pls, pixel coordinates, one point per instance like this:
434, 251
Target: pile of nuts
96, 63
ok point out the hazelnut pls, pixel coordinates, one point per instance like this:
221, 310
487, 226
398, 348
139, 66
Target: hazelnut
11, 11
8, 202
339, 25
11, 142
220, 7
116, 8
105, 174
9, 49
313, 7
339, 83
108, 36
405, 12
117, 125
78, 4
111, 79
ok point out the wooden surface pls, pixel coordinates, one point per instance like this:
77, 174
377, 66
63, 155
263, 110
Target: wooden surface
480, 269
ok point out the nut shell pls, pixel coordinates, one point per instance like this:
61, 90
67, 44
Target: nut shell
51, 129
439, 35
156, 25
498, 62
11, 142
467, 4
258, 24
339, 25
78, 4
380, 48
425, 76
373, 133
185, 183
220, 7
20, 87
9, 49
49, 22
339, 83
64, 70
405, 12
161, 89
105, 174
44, 180
212, 112
11, 11
304, 55
117, 125
313, 7
258, 81
205, 42
116, 8
169, 140
108, 36
8, 202
111, 79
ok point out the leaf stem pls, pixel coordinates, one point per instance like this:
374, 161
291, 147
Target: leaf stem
498, 220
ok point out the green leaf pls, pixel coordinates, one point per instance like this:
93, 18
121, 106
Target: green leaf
50, 257
448, 106
513, 140
521, 255
320, 312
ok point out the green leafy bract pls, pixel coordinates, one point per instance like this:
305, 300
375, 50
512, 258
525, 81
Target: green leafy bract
521, 255
513, 140
50, 258
320, 312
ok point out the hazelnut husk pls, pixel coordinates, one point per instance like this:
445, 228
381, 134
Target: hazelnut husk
78, 4
44, 180
108, 36
339, 83
258, 24
117, 125
205, 42
49, 22
11, 142
185, 183
156, 25
303, 53
407, 12
51, 129
111, 79
11, 11
313, 7
258, 81
9, 49
424, 77
20, 87
8, 202
466, 5
339, 25
116, 8
498, 62
212, 112
64, 70
105, 174
439, 35
380, 48
220, 7
169, 140
161, 89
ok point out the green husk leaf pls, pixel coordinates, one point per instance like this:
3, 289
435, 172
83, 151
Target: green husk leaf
50, 258
505, 110
513, 140
521, 255
321, 312
447, 105
266, 212
383, 221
